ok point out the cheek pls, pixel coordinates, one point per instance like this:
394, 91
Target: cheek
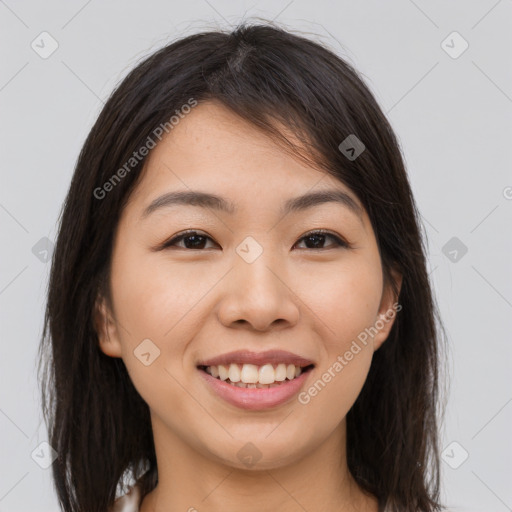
344, 299
334, 389
344, 302
153, 297
162, 302
153, 303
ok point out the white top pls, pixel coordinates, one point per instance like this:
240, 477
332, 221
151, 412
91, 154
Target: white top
129, 502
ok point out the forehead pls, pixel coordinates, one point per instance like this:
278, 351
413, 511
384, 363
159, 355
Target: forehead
213, 150
212, 138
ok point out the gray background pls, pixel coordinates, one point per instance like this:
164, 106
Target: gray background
452, 114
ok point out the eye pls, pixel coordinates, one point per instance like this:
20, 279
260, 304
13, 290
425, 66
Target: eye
317, 238
192, 240
196, 241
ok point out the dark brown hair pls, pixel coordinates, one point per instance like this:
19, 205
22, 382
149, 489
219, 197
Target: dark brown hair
281, 82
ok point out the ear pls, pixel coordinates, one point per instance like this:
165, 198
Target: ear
388, 309
106, 328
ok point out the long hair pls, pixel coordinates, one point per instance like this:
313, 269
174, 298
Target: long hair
281, 83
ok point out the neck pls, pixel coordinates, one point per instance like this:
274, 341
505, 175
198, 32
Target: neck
189, 481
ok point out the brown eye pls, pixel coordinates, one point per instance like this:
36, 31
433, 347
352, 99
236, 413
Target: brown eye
316, 239
195, 240
191, 239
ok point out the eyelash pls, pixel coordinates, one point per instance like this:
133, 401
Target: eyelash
338, 241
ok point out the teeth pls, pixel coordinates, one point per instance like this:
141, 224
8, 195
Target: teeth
266, 375
249, 373
280, 372
223, 372
253, 376
253, 386
234, 373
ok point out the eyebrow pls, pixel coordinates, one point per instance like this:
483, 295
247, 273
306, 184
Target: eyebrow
207, 200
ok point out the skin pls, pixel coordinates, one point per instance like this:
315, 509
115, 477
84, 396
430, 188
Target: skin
194, 304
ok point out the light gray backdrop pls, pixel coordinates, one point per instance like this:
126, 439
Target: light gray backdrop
442, 72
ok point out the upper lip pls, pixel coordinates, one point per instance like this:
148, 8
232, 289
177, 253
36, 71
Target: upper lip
257, 358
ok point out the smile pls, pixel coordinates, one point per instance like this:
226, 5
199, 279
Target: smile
255, 395
251, 376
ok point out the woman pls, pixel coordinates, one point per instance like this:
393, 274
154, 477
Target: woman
239, 313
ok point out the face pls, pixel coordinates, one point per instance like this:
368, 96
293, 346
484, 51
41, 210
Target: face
254, 278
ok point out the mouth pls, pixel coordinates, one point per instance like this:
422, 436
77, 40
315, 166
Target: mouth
251, 376
256, 381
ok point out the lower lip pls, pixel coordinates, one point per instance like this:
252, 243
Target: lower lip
256, 398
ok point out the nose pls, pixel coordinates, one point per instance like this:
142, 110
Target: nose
257, 295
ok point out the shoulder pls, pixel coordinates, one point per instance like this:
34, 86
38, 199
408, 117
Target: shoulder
129, 502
